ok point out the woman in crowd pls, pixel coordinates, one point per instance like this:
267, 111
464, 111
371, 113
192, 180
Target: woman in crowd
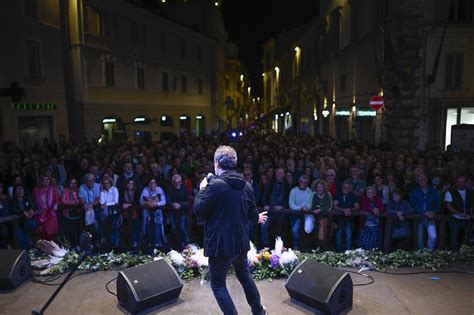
23, 206
153, 200
47, 198
381, 189
321, 203
129, 202
70, 204
109, 199
401, 231
370, 235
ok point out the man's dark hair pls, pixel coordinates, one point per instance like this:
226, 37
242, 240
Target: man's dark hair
226, 156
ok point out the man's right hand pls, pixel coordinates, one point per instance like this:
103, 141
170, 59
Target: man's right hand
262, 217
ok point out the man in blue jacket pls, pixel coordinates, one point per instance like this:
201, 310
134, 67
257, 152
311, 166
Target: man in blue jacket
425, 200
226, 204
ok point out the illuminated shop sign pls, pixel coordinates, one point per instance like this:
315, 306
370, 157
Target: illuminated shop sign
366, 113
29, 106
343, 113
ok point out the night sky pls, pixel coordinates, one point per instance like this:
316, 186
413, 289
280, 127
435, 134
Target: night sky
250, 23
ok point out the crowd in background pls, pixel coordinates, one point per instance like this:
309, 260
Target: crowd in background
57, 190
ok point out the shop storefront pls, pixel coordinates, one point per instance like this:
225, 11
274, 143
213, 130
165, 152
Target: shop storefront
342, 117
366, 125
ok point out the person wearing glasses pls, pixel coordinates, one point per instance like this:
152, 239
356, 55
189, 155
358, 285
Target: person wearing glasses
70, 204
425, 200
178, 199
153, 199
299, 200
109, 198
460, 203
89, 194
256, 192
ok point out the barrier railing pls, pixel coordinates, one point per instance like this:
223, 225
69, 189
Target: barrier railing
387, 222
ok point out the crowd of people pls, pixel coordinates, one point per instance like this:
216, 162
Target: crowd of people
56, 190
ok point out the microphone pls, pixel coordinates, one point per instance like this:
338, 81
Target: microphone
210, 177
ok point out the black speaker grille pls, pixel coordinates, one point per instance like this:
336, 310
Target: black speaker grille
319, 286
151, 279
153, 284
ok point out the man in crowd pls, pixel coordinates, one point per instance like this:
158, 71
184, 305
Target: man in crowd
425, 200
299, 200
276, 200
459, 203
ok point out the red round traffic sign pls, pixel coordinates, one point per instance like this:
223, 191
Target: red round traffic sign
376, 102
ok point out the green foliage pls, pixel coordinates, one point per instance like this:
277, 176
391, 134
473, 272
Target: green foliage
263, 270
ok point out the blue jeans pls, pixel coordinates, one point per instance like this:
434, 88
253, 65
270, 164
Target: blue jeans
99, 223
454, 228
252, 231
430, 227
218, 268
157, 235
344, 226
24, 238
265, 228
136, 227
183, 227
295, 221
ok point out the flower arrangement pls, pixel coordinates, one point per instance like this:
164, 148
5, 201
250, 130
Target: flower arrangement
264, 264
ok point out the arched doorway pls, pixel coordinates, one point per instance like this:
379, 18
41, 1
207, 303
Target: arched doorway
200, 125
185, 124
113, 129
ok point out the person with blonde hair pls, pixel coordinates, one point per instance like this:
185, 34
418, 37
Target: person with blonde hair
320, 204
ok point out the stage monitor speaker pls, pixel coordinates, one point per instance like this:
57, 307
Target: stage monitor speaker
148, 285
15, 268
324, 288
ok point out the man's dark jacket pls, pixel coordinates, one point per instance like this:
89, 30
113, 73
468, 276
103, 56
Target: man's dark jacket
226, 205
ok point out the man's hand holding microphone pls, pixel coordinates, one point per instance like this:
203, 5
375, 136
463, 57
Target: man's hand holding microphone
262, 216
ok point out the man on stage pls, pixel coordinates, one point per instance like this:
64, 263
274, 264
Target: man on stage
226, 204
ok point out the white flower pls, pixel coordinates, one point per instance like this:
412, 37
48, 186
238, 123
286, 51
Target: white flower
200, 259
193, 248
288, 258
51, 248
278, 246
176, 258
252, 254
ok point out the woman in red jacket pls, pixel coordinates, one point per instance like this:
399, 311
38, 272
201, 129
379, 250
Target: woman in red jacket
370, 236
46, 198
70, 204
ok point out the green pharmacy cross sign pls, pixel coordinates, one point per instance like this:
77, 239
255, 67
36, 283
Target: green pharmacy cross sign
29, 106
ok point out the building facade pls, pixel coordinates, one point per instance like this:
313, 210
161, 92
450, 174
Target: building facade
417, 55
240, 106
112, 69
